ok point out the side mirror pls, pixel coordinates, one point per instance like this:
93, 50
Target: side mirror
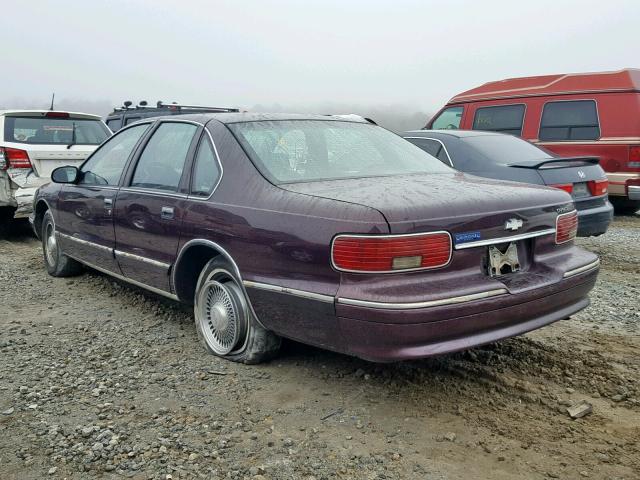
65, 175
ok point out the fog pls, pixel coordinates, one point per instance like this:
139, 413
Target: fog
396, 62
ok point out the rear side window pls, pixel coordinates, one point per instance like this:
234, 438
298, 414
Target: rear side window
54, 131
114, 124
432, 147
572, 120
502, 118
206, 171
129, 120
449, 119
162, 161
105, 166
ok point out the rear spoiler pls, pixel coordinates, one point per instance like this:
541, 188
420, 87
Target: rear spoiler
546, 161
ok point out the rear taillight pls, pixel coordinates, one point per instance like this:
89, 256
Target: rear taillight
567, 187
634, 156
391, 253
57, 115
598, 187
566, 227
14, 158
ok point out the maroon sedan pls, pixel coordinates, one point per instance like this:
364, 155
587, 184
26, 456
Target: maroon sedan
332, 232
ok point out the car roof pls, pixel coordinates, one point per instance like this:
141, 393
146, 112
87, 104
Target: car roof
627, 80
452, 133
232, 117
13, 113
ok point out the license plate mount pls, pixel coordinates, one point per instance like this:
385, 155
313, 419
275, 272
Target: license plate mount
503, 261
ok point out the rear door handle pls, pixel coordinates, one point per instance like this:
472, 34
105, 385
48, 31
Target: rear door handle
108, 202
167, 213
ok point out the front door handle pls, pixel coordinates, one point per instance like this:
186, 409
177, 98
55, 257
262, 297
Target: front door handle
167, 213
108, 205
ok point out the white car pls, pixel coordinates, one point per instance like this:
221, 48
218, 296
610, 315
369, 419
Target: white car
33, 143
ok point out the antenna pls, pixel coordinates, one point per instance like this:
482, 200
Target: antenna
53, 96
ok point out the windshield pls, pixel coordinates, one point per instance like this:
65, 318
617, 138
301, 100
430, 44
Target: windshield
505, 149
54, 131
306, 150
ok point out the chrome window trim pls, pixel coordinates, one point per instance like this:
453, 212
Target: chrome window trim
154, 192
441, 143
140, 258
400, 235
84, 242
195, 158
425, 304
512, 238
583, 269
127, 279
291, 291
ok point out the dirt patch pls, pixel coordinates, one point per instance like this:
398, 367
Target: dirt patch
100, 380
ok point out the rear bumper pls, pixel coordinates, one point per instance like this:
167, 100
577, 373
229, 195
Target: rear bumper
490, 320
618, 184
594, 221
634, 192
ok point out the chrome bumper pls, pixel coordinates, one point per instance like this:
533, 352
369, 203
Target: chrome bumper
634, 192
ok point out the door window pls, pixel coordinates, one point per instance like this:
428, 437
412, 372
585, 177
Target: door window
206, 171
449, 119
114, 124
570, 120
502, 118
105, 166
162, 161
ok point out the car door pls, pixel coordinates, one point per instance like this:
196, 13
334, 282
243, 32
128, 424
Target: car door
151, 205
85, 210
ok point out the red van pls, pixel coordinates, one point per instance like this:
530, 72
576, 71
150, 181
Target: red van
580, 114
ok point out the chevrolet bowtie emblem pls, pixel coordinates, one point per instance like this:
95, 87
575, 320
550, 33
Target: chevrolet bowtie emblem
513, 224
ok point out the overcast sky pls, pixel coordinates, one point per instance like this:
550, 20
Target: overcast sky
300, 53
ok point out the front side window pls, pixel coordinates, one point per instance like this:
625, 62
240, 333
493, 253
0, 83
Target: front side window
449, 119
54, 131
206, 171
570, 120
306, 150
501, 118
162, 160
105, 166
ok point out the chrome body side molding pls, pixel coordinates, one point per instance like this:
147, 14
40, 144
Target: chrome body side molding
84, 242
139, 258
584, 268
425, 304
291, 291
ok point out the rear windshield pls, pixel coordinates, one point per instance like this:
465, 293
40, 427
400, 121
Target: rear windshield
54, 131
305, 150
504, 149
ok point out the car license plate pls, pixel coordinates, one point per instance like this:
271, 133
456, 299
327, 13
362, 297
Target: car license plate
580, 189
503, 261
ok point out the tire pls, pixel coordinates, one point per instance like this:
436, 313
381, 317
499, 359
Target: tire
224, 320
56, 262
624, 206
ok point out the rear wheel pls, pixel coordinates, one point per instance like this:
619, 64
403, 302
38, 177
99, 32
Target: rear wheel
225, 323
57, 263
623, 205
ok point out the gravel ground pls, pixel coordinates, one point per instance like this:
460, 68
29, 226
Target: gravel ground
100, 380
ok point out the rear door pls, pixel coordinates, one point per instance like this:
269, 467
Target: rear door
85, 211
150, 208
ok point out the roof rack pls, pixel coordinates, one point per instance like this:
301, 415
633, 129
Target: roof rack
128, 105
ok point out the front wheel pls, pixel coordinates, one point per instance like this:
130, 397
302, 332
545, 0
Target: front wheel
57, 263
224, 321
